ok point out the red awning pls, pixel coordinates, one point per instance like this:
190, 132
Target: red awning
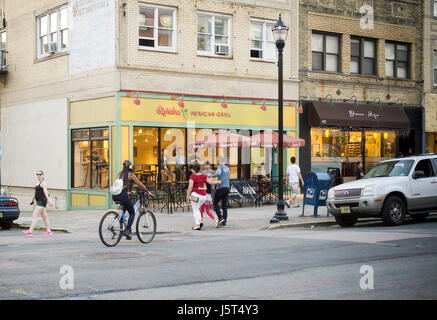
270, 139
222, 139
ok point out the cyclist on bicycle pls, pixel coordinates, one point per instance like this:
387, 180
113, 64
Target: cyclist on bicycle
128, 177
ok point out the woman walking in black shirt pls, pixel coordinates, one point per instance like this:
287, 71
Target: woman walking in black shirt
42, 198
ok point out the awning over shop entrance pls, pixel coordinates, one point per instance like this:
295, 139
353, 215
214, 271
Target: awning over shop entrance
357, 115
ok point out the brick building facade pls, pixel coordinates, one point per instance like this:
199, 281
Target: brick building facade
86, 82
366, 54
430, 73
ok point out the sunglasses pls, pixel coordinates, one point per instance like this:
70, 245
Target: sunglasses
39, 174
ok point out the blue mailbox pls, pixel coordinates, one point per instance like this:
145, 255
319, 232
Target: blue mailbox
316, 190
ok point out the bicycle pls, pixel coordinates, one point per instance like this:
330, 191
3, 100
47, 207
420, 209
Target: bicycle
114, 223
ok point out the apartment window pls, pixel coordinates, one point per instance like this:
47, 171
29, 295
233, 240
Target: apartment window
52, 32
325, 52
157, 27
435, 67
396, 60
262, 44
3, 49
435, 8
363, 56
213, 34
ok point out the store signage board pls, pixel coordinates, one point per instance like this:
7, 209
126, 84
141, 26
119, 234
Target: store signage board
361, 115
205, 113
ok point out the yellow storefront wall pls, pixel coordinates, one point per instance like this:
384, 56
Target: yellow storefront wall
204, 113
93, 110
98, 111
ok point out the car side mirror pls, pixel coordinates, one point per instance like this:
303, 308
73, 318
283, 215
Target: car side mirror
418, 174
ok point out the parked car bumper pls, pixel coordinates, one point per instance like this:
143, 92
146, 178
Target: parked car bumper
369, 206
7, 213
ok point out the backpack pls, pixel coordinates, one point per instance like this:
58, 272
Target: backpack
117, 187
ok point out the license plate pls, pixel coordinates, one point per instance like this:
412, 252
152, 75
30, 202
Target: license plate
345, 209
1, 214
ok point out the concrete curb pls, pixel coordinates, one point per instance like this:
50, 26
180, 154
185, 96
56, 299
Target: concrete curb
312, 223
23, 226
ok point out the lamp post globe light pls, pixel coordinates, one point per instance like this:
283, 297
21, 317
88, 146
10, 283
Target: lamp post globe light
280, 32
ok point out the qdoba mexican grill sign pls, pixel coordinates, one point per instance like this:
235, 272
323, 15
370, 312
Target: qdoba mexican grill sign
205, 113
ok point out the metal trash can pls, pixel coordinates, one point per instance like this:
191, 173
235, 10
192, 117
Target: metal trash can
316, 190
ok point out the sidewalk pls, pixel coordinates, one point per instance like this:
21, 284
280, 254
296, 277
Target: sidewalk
251, 218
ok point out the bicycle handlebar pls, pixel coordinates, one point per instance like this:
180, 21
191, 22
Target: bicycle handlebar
139, 192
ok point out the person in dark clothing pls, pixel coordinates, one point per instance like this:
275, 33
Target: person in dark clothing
128, 177
360, 171
42, 197
222, 192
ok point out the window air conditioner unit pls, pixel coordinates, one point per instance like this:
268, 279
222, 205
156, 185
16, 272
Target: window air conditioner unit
53, 46
50, 47
222, 49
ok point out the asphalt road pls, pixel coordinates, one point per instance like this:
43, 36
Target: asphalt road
226, 264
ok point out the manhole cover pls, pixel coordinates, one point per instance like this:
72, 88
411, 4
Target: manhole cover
112, 255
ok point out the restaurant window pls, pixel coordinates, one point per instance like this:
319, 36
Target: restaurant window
90, 158
262, 44
327, 148
173, 154
373, 149
52, 32
325, 52
396, 60
363, 56
145, 153
238, 159
157, 27
213, 34
333, 148
388, 144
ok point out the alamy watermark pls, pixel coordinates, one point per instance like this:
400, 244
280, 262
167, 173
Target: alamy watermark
67, 280
367, 280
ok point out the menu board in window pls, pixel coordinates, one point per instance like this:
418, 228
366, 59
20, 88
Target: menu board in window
353, 149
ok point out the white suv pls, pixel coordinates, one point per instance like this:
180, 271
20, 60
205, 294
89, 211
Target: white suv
390, 190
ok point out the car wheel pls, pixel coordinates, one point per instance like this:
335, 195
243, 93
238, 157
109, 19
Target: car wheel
6, 225
346, 221
393, 211
419, 217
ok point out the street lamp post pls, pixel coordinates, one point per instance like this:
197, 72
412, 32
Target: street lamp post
280, 31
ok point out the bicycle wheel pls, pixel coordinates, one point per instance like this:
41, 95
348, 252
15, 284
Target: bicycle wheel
146, 226
110, 229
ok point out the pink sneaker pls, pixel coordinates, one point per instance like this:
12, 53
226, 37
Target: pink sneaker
48, 233
27, 232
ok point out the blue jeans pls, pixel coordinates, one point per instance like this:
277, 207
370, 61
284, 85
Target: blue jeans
123, 198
